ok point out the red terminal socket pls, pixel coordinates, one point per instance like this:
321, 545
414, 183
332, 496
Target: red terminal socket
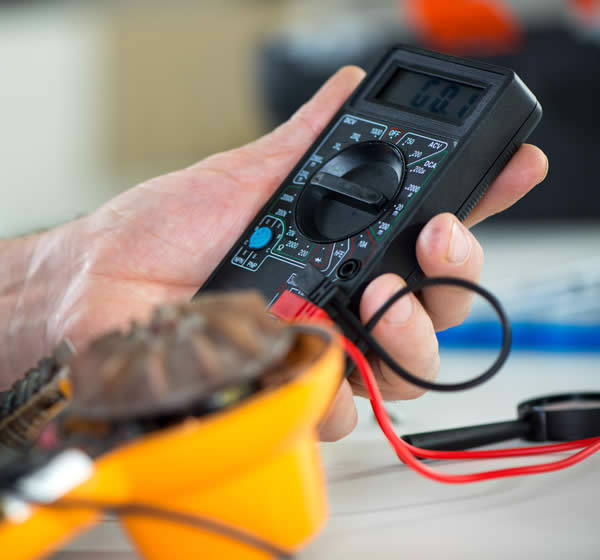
292, 306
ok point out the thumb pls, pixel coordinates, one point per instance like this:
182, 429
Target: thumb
282, 148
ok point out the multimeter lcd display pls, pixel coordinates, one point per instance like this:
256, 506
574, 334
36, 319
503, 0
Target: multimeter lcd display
430, 95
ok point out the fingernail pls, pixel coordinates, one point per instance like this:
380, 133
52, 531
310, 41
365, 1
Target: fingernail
547, 168
402, 310
460, 244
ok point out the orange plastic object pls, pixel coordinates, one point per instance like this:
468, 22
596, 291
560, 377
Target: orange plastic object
463, 26
589, 9
255, 467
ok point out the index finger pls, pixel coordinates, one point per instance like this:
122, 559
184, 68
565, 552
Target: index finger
526, 169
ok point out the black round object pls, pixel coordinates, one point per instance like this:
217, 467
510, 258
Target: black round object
349, 269
563, 417
350, 191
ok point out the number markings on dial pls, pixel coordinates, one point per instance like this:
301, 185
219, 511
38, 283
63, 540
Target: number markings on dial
348, 130
418, 173
421, 153
417, 147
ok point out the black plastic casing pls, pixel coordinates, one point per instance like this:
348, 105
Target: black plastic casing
565, 423
480, 147
458, 439
551, 418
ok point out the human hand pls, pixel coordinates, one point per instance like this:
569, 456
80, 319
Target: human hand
159, 242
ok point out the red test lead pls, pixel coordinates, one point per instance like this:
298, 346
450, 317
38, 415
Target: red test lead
408, 454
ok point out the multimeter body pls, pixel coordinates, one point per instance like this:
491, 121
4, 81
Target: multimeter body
424, 133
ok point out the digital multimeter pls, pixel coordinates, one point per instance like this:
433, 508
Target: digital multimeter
423, 133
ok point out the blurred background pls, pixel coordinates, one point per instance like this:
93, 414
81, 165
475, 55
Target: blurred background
96, 96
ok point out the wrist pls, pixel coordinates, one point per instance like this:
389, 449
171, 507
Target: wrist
35, 272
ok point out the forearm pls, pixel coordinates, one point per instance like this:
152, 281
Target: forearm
30, 270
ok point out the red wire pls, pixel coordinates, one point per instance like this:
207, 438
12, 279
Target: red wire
408, 453
298, 308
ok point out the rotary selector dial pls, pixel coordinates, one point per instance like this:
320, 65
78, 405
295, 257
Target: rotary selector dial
350, 191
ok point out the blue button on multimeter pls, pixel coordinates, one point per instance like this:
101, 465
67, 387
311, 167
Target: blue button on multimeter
260, 238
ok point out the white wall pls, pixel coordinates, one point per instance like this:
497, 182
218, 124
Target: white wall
51, 96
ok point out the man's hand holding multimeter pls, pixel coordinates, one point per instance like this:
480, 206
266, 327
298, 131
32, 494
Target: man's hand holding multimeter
172, 231
421, 138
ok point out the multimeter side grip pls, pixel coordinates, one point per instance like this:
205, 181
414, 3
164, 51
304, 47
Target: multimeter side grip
500, 163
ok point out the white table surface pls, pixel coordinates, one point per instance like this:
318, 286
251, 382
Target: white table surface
381, 509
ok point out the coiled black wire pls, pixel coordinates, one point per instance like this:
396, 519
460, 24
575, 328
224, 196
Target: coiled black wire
364, 332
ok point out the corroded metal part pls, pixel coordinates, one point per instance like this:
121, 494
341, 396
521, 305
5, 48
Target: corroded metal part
35, 399
187, 353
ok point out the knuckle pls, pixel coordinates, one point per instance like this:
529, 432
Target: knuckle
447, 306
341, 418
478, 253
428, 373
424, 363
337, 427
457, 317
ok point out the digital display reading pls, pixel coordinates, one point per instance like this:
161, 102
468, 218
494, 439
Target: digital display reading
430, 95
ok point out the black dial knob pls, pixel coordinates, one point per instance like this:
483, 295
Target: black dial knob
350, 191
